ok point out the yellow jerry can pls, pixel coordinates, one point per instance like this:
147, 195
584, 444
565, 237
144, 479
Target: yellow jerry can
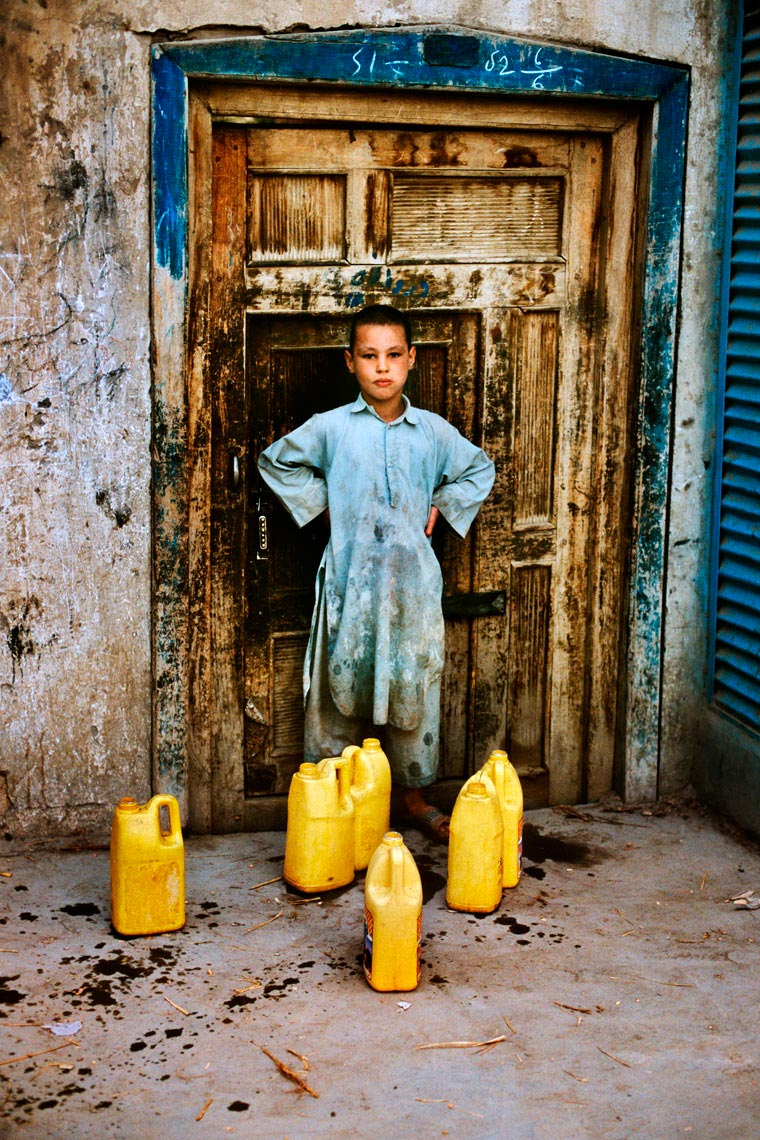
502, 773
371, 793
319, 843
476, 848
392, 917
147, 866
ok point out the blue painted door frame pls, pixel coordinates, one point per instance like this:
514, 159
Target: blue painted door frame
430, 59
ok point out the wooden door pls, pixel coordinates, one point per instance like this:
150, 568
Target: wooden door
497, 242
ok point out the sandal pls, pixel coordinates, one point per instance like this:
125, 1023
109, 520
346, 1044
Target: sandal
431, 822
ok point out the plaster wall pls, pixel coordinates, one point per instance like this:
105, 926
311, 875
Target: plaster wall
75, 527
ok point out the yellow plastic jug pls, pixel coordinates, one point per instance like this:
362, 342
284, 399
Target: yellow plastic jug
147, 866
319, 842
509, 790
392, 917
371, 793
476, 848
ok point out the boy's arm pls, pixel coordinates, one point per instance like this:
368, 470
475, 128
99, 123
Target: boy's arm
465, 478
292, 468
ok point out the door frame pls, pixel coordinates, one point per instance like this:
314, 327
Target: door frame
435, 59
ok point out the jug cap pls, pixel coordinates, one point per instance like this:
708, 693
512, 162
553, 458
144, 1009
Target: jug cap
371, 742
128, 803
498, 754
477, 790
308, 771
393, 839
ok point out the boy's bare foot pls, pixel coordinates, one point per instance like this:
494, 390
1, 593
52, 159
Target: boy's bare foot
425, 816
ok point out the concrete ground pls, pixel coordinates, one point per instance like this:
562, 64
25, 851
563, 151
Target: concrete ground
619, 983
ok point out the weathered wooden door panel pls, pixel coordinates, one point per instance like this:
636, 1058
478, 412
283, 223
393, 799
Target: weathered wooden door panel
499, 243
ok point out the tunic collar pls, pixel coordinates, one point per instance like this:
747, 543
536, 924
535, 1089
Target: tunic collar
409, 413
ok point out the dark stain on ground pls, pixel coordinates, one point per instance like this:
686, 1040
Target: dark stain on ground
515, 927
161, 956
209, 910
539, 848
81, 910
432, 882
238, 1106
535, 872
119, 966
275, 987
8, 996
239, 1001
105, 973
101, 995
438, 980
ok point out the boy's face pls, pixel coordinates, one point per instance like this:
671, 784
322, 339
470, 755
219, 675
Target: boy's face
380, 361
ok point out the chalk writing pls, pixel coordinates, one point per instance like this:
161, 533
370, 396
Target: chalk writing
367, 62
397, 65
360, 65
500, 62
540, 70
535, 71
378, 279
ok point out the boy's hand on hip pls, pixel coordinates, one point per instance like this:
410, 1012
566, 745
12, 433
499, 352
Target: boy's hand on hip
432, 520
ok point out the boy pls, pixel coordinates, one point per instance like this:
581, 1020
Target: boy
381, 471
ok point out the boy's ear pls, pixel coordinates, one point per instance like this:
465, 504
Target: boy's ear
412, 356
349, 359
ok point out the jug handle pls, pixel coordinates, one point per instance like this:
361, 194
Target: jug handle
352, 753
175, 826
397, 867
343, 771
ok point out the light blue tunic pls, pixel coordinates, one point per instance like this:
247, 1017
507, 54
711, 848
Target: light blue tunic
379, 585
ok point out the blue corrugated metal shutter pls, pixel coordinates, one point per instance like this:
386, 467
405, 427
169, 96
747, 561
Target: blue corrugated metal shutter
736, 685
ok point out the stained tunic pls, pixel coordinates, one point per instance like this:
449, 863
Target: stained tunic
377, 612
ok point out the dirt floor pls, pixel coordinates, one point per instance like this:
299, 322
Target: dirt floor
618, 984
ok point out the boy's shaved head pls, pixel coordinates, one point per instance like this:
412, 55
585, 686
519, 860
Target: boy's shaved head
381, 315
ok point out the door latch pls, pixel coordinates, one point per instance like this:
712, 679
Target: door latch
234, 471
262, 532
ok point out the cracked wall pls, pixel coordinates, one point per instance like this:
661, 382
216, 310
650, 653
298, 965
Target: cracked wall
75, 415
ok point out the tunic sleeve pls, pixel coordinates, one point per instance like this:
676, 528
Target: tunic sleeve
466, 476
293, 468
